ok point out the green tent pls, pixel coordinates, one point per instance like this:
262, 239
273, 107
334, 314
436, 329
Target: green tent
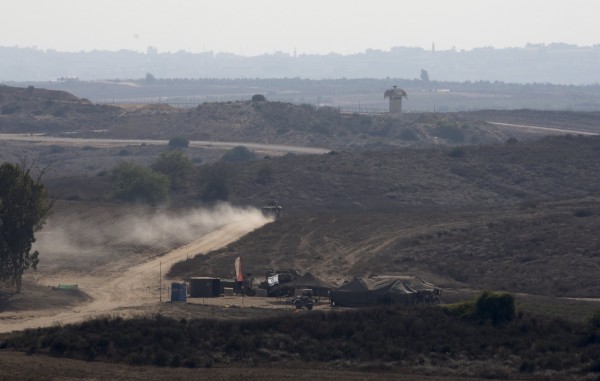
362, 292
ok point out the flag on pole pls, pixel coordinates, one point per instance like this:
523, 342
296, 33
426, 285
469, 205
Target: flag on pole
239, 271
273, 280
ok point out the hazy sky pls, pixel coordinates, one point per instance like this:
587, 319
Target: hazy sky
251, 27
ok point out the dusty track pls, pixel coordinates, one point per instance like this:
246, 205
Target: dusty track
542, 129
98, 142
128, 292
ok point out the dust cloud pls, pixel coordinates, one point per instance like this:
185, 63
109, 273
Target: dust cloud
96, 238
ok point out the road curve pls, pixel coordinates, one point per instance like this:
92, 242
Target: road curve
275, 149
134, 287
539, 128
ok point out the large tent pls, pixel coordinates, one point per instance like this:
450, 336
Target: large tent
361, 292
308, 280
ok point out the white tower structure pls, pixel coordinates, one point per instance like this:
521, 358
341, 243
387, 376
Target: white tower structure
395, 95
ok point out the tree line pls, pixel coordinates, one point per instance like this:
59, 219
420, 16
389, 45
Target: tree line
173, 171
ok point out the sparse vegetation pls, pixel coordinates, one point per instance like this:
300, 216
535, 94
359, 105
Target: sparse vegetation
176, 166
133, 182
594, 320
57, 149
10, 108
398, 337
409, 134
456, 152
450, 130
583, 213
498, 308
214, 182
264, 174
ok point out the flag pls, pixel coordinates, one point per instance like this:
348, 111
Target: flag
273, 280
239, 271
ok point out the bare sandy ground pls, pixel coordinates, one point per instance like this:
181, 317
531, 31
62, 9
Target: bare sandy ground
128, 291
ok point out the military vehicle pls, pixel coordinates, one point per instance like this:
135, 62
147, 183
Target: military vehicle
304, 300
272, 210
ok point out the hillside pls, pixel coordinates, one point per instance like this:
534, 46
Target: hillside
401, 195
33, 110
442, 196
58, 113
519, 217
432, 178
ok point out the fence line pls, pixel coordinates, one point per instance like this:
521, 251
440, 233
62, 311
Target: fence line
369, 108
178, 102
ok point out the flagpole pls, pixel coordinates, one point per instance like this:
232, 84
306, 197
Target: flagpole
239, 275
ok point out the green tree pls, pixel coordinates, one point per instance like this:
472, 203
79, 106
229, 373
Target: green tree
424, 75
24, 207
150, 78
175, 165
213, 182
264, 174
258, 98
134, 182
237, 154
450, 130
499, 307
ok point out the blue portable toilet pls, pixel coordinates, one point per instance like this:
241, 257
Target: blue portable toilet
178, 292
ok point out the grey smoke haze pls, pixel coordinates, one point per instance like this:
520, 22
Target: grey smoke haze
71, 241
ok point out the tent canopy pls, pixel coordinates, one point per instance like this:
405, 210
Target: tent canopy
384, 290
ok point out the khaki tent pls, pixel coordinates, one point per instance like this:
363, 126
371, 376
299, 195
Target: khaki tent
361, 292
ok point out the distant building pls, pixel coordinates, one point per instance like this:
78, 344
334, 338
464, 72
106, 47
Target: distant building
395, 95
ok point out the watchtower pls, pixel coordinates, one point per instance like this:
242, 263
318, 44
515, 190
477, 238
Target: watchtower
395, 95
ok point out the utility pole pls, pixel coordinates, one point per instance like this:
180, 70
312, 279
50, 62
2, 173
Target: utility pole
160, 281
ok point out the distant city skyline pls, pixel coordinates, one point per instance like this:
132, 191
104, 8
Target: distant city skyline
538, 63
309, 27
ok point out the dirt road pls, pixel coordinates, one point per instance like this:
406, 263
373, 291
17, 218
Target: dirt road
273, 149
127, 292
542, 129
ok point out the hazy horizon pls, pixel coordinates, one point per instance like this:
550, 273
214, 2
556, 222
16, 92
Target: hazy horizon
153, 50
309, 27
